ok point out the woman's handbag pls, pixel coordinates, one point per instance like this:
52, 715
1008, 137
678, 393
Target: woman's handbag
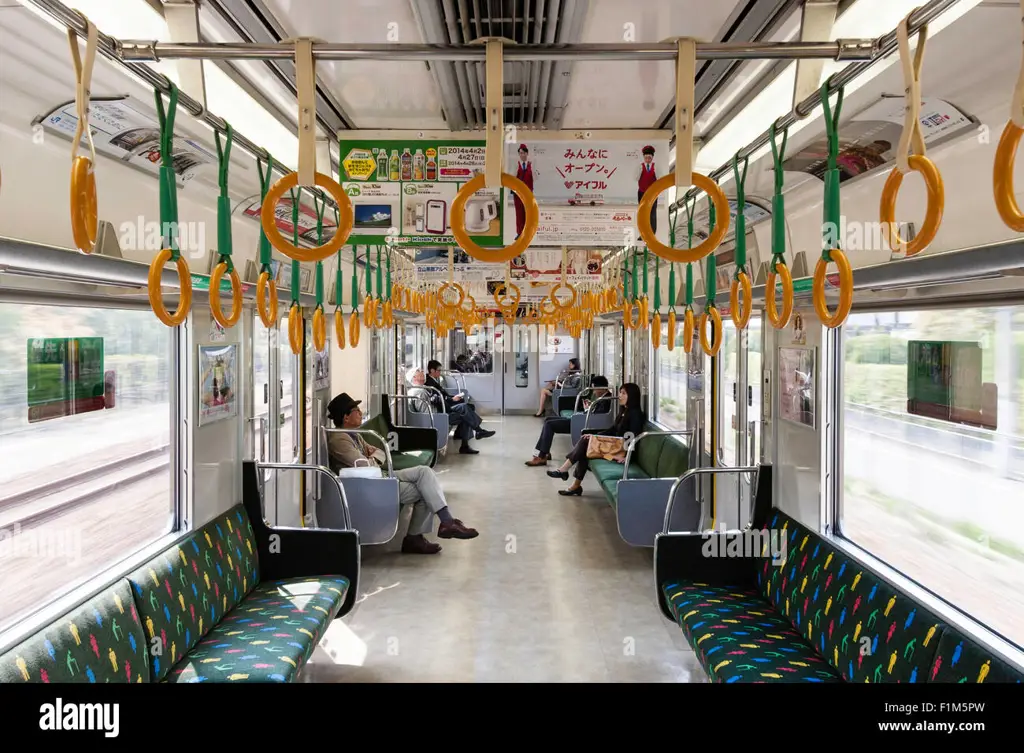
370, 470
608, 448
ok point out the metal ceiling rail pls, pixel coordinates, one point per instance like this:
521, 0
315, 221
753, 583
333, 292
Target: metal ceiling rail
109, 46
153, 51
885, 45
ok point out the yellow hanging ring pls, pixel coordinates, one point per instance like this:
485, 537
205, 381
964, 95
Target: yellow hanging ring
711, 313
845, 290
933, 215
656, 331
339, 328
295, 328
740, 315
689, 325
779, 321
671, 330
353, 328
1002, 183
319, 329
84, 209
569, 303
495, 255
153, 288
683, 255
236, 296
266, 300
268, 218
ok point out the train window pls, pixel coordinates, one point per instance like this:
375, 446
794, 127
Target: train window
477, 356
670, 367
937, 499
85, 426
729, 397
287, 438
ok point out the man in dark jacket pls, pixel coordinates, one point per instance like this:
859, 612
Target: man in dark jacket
558, 425
462, 414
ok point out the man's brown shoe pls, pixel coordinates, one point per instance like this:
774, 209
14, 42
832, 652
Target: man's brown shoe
456, 530
419, 545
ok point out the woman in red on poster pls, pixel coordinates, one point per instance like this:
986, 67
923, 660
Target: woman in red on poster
524, 171
645, 179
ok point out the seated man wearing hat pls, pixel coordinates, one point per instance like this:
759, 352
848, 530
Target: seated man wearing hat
416, 486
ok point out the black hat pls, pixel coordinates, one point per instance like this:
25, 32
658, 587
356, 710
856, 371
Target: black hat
341, 406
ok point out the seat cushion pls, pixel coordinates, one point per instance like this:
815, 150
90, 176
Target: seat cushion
605, 470
101, 641
674, 460
377, 424
960, 659
862, 625
566, 413
739, 637
647, 453
269, 636
410, 459
183, 592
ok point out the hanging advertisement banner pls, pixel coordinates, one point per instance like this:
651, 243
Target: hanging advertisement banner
540, 265
607, 226
402, 191
574, 172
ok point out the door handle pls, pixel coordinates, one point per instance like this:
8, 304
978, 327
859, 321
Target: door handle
266, 393
750, 396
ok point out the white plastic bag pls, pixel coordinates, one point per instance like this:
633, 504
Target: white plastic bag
370, 470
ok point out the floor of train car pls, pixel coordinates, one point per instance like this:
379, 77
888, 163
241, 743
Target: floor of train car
547, 592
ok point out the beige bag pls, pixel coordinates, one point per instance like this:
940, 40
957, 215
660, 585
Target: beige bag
608, 448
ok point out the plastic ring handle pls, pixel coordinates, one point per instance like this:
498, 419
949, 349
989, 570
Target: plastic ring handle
339, 328
716, 328
444, 287
740, 314
568, 304
495, 255
1002, 184
153, 288
268, 219
236, 296
671, 330
656, 330
319, 329
933, 216
689, 325
295, 328
683, 255
84, 210
511, 302
266, 300
779, 321
353, 329
845, 290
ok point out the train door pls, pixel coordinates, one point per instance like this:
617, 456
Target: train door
265, 403
520, 360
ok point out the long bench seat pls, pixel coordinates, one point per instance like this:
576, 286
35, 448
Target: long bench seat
639, 488
415, 445
234, 601
795, 609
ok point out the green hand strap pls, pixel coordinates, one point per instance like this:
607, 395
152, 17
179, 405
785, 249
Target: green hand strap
741, 217
355, 278
672, 266
380, 276
168, 184
830, 224
691, 208
265, 253
778, 200
712, 277
318, 275
387, 290
296, 267
224, 201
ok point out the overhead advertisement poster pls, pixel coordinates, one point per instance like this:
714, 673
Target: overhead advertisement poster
587, 191
402, 191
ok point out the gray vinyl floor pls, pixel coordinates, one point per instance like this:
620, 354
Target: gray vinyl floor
547, 593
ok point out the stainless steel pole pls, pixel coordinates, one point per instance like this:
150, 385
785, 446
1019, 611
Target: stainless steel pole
885, 45
153, 51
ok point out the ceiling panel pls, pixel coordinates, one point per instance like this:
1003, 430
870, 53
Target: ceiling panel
374, 94
628, 93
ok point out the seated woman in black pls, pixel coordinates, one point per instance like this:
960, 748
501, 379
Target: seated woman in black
558, 425
630, 423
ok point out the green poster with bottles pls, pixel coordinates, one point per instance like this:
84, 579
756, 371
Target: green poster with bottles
64, 376
404, 189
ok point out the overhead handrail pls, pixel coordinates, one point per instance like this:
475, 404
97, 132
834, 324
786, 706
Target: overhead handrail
683, 177
636, 440
306, 175
1006, 154
494, 174
911, 155
693, 472
387, 449
318, 469
84, 204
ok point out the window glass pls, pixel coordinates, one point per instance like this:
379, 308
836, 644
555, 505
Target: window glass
933, 453
671, 375
85, 426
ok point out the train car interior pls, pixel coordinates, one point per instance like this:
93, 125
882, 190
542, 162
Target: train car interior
484, 341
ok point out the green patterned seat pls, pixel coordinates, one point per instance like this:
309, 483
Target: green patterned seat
101, 641
408, 458
566, 413
268, 636
815, 615
655, 456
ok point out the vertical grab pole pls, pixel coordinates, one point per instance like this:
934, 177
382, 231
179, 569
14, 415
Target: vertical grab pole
494, 145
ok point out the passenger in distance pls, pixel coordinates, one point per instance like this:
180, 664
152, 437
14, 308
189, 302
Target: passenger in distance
417, 486
629, 424
558, 425
456, 406
548, 388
